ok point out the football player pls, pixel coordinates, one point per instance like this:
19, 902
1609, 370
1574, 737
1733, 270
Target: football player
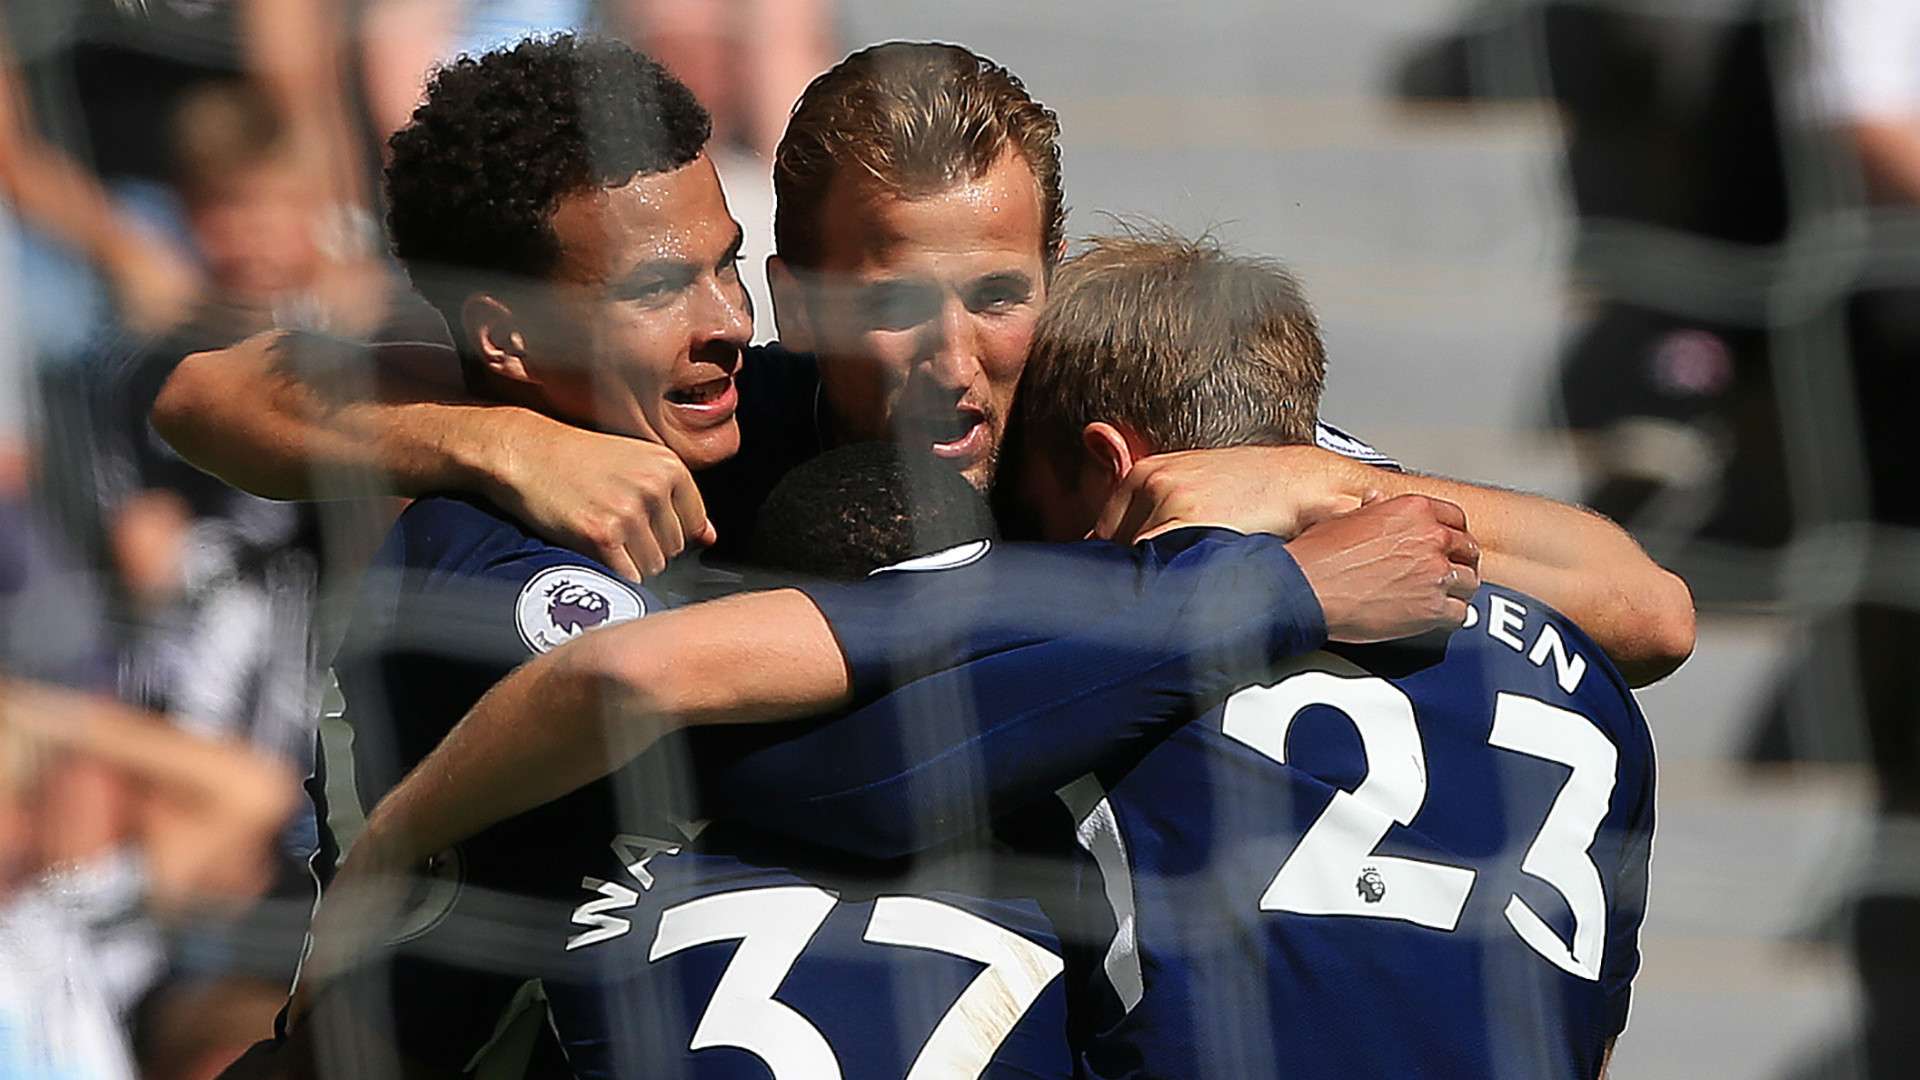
1428, 856
920, 213
617, 309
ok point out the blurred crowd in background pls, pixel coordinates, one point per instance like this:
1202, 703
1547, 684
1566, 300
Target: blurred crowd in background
176, 175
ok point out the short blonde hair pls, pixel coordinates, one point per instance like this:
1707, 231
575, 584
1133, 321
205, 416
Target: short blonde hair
1188, 345
915, 118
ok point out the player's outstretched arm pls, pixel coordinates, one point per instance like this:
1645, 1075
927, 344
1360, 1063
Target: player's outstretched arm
297, 416
291, 416
1576, 560
1399, 567
567, 718
1046, 711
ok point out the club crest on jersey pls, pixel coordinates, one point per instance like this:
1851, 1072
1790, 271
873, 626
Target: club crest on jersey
1371, 886
562, 602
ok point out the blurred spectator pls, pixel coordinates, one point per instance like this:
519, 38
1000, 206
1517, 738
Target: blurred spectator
746, 60
256, 210
1677, 170
1864, 90
105, 812
86, 141
152, 281
402, 41
217, 588
1866, 82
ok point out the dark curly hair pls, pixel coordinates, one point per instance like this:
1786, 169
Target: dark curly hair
856, 508
477, 173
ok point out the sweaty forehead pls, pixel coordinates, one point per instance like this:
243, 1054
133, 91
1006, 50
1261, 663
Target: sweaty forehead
992, 219
678, 216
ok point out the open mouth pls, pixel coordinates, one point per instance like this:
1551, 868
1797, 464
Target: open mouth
705, 393
960, 433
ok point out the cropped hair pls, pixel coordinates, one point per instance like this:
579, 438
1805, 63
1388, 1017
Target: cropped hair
1186, 344
914, 118
477, 173
857, 508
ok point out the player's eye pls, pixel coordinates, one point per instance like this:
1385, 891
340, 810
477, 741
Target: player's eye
652, 289
999, 295
894, 308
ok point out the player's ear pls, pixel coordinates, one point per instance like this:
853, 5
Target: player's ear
1110, 452
497, 336
791, 319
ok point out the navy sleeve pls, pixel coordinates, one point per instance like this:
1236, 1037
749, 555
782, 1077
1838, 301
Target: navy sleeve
1628, 909
931, 613
1025, 713
458, 596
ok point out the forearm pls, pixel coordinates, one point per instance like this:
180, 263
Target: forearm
258, 419
500, 761
1577, 561
948, 752
582, 711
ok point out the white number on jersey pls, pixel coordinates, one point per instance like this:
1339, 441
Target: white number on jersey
1318, 878
1333, 871
1558, 855
774, 925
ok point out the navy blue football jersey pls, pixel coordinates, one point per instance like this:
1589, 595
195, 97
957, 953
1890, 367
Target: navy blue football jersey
978, 649
1426, 858
456, 597
786, 939
1421, 859
732, 956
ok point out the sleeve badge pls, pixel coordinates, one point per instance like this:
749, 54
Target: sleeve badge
560, 603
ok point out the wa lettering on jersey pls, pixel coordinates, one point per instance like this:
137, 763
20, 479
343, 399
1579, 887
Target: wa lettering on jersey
731, 957
458, 596
1426, 859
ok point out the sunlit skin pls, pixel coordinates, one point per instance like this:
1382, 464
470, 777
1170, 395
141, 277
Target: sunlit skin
648, 287
921, 310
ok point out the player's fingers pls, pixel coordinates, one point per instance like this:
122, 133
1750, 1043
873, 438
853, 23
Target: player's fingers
1462, 582
617, 560
1448, 514
1463, 549
1373, 495
664, 519
1454, 615
645, 550
692, 511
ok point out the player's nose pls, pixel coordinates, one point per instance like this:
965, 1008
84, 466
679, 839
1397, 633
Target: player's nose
725, 313
953, 360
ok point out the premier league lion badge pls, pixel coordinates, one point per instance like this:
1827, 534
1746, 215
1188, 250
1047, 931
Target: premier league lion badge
563, 602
